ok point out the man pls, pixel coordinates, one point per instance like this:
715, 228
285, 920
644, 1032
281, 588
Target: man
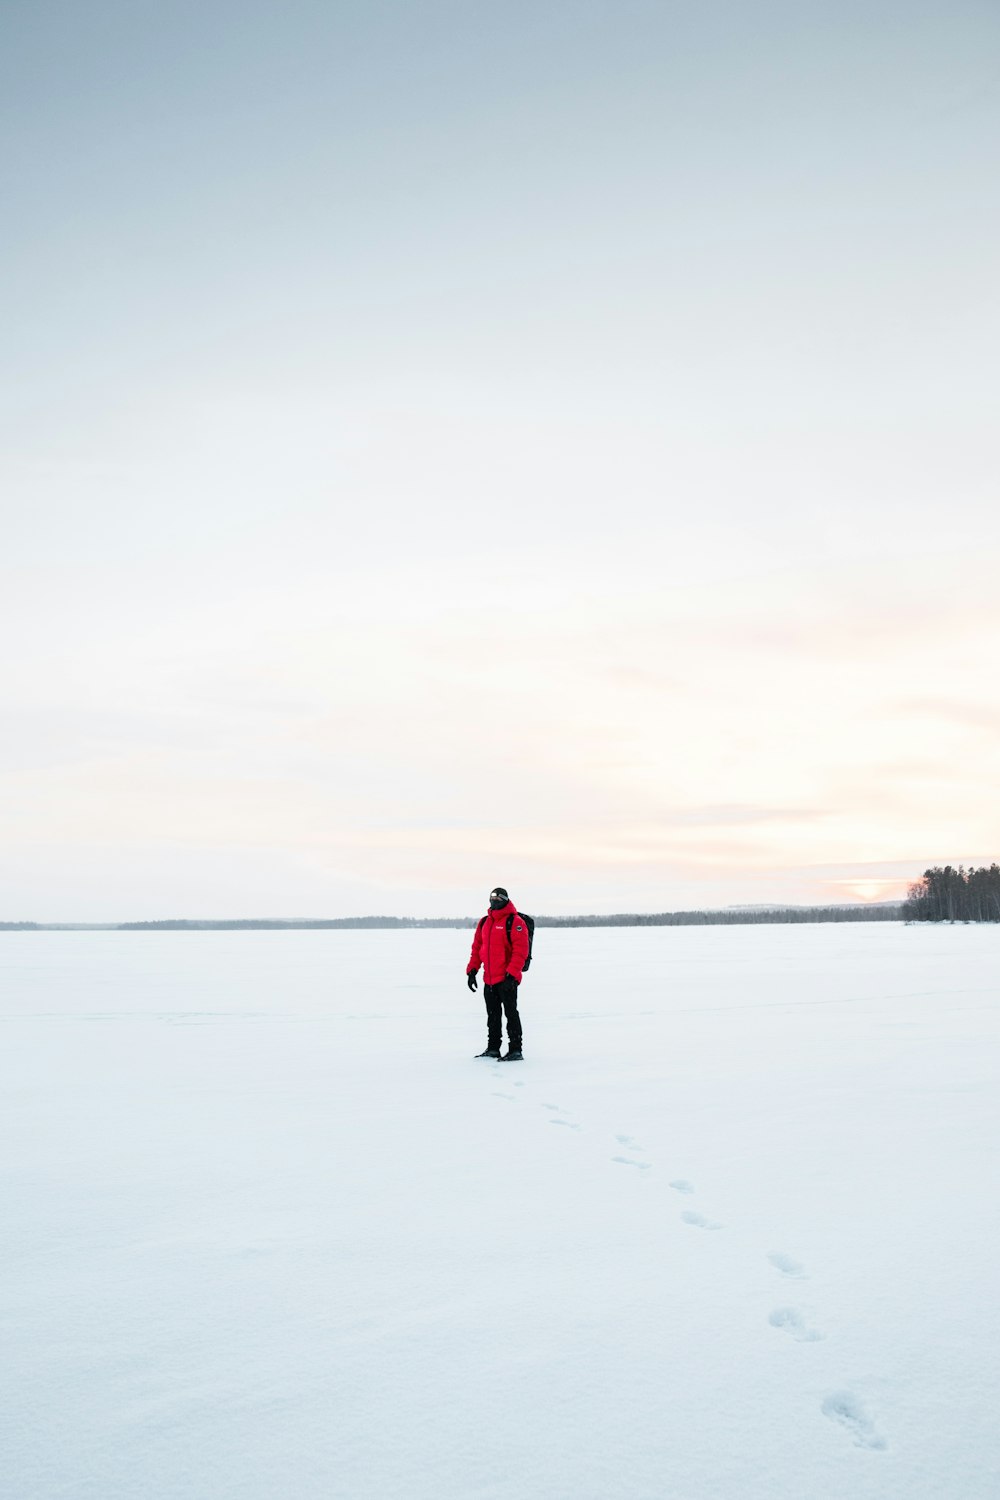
501, 946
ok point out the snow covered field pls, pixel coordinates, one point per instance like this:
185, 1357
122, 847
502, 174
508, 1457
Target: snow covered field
730, 1233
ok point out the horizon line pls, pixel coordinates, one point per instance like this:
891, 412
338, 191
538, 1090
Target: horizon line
735, 913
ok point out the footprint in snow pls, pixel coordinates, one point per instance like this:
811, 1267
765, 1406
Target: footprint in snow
511, 1097
555, 1109
791, 1321
698, 1221
787, 1266
847, 1409
628, 1140
681, 1185
629, 1161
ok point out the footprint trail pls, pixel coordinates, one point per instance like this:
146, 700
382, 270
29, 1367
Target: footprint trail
843, 1407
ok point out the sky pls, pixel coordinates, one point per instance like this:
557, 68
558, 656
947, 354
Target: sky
450, 444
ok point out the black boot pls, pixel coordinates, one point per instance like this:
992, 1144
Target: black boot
513, 1054
490, 1052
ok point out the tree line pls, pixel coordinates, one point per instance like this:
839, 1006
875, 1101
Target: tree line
729, 917
947, 894
734, 917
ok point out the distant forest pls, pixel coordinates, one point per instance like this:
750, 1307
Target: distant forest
737, 916
731, 917
945, 894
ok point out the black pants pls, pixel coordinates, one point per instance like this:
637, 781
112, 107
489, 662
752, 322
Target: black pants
502, 995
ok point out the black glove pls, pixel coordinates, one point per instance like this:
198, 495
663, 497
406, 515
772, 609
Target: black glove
473, 982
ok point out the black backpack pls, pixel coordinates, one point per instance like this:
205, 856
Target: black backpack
529, 922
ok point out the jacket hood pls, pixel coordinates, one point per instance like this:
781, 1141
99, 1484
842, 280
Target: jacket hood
502, 911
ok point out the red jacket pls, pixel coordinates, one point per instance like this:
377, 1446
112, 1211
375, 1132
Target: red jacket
491, 948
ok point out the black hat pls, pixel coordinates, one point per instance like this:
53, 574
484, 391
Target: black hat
498, 896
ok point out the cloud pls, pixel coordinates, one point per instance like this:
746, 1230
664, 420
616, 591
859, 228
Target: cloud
403, 728
983, 715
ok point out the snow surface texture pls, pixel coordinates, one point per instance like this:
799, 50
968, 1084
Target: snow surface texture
729, 1233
